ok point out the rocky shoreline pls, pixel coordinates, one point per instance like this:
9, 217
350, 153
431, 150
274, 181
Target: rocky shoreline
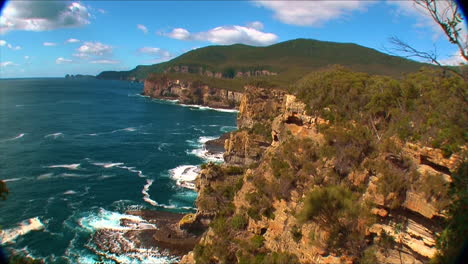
159, 229
161, 233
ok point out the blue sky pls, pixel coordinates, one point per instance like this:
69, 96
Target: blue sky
53, 38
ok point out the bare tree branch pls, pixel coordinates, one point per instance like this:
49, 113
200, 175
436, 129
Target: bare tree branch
402, 48
450, 20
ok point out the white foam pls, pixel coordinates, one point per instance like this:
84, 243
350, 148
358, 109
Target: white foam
69, 192
132, 169
15, 138
201, 107
45, 176
202, 152
225, 129
26, 226
128, 129
199, 130
54, 135
185, 175
207, 156
204, 139
112, 220
105, 176
146, 196
66, 166
11, 180
107, 164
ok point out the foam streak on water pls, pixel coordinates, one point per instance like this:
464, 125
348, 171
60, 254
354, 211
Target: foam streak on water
26, 226
77, 154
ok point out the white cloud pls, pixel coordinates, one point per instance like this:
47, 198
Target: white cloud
455, 60
142, 28
255, 24
102, 11
42, 15
8, 45
7, 63
154, 51
95, 48
61, 60
179, 33
312, 13
49, 44
72, 40
227, 35
105, 61
27, 57
81, 55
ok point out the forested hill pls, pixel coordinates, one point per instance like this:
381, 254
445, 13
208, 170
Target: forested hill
287, 61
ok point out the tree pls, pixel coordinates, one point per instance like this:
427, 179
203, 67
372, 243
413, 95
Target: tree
448, 16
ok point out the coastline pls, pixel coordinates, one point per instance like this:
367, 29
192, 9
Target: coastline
201, 107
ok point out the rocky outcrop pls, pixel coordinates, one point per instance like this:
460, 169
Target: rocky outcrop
409, 228
243, 148
259, 105
188, 92
227, 74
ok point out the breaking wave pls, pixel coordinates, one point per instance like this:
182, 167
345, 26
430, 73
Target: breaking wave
66, 166
24, 227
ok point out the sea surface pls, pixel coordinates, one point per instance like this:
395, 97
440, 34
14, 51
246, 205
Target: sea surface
76, 154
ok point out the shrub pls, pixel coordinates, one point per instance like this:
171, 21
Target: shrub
257, 241
239, 222
368, 256
296, 233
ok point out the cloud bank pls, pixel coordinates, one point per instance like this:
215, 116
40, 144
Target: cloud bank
226, 35
42, 15
311, 13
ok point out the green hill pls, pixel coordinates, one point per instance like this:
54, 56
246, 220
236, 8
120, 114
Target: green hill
290, 60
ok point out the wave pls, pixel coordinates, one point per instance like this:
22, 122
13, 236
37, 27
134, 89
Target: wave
132, 169
69, 192
54, 135
127, 129
226, 129
146, 196
202, 108
11, 180
199, 130
206, 155
26, 226
185, 175
201, 151
112, 221
66, 166
45, 176
138, 95
108, 164
163, 146
15, 138
105, 176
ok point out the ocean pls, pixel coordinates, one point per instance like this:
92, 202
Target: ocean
76, 154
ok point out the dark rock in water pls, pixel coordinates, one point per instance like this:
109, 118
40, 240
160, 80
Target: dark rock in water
217, 145
159, 232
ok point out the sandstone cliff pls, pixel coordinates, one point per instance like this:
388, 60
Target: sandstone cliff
188, 92
381, 202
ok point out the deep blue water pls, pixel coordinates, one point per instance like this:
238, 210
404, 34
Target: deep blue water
76, 154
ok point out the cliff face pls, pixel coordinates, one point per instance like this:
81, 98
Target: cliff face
228, 73
188, 92
309, 192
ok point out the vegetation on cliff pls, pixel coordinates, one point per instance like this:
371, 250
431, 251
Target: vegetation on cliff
359, 186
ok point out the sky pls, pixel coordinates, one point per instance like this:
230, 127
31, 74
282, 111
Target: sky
54, 38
